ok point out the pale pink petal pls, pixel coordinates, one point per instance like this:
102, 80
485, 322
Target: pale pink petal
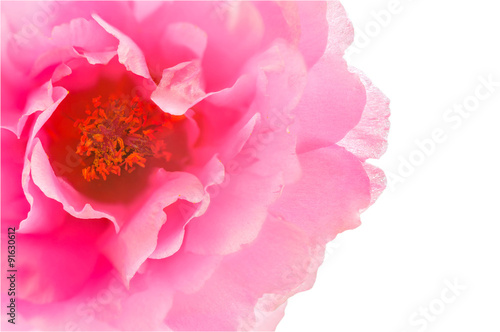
276, 262
189, 36
60, 72
142, 9
328, 198
301, 23
313, 30
340, 29
227, 224
184, 272
378, 181
268, 321
281, 80
180, 88
327, 112
174, 43
369, 138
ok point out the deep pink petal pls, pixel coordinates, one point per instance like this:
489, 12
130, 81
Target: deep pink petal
40, 280
14, 206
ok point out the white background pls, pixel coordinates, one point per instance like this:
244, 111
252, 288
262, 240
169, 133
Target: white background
440, 222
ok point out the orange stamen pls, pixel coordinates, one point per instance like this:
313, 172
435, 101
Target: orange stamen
120, 133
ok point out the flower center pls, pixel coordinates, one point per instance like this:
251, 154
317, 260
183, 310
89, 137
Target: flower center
120, 134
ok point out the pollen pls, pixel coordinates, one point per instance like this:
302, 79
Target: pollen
120, 134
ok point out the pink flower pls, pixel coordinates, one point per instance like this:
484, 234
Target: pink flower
178, 165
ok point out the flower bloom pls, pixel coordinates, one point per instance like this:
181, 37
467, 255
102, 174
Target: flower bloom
178, 165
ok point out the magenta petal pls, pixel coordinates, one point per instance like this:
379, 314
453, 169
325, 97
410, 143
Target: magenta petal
180, 88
